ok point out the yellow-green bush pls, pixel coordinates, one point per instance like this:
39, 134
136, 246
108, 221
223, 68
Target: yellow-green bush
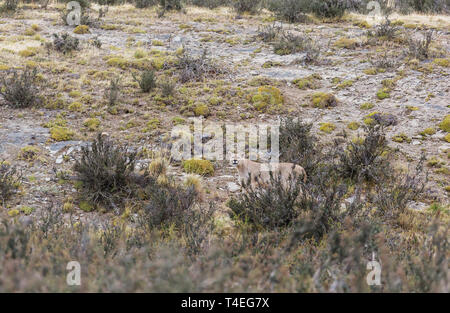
200, 167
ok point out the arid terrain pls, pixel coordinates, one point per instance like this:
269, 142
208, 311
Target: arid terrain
343, 77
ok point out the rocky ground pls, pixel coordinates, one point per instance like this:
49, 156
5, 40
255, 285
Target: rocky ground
73, 87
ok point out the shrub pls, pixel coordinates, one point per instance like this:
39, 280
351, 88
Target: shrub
385, 30
363, 158
297, 144
419, 49
427, 6
167, 88
292, 11
246, 6
289, 43
329, 8
147, 80
200, 167
106, 171
269, 33
396, 191
10, 5
10, 180
324, 100
169, 5
445, 124
211, 4
113, 91
20, 90
272, 207
140, 4
167, 204
65, 43
321, 200
196, 68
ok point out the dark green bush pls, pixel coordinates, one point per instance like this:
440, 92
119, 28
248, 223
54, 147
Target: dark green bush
169, 5
146, 81
297, 144
292, 11
211, 4
140, 4
246, 6
65, 43
10, 5
395, 191
363, 158
167, 204
10, 180
20, 90
271, 207
112, 93
328, 8
106, 171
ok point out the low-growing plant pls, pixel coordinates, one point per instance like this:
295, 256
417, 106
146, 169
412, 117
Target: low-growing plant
167, 88
395, 191
328, 8
65, 43
292, 11
146, 81
10, 5
169, 5
112, 93
19, 90
10, 180
141, 4
385, 30
420, 48
246, 6
196, 68
269, 33
167, 204
289, 43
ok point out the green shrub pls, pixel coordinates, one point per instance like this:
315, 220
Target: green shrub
20, 90
200, 167
112, 93
167, 204
246, 6
10, 180
272, 207
292, 11
10, 5
329, 8
147, 81
140, 4
65, 43
363, 158
106, 171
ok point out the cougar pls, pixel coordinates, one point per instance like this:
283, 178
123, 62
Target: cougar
259, 173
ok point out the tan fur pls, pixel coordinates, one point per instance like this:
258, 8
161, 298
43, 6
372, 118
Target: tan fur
259, 173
